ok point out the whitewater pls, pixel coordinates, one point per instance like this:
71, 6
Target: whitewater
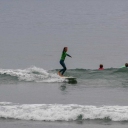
30, 74
94, 83
61, 112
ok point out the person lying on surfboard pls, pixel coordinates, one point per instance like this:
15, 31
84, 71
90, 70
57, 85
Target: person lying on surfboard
125, 66
63, 56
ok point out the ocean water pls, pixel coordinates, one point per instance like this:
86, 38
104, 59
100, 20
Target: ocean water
32, 36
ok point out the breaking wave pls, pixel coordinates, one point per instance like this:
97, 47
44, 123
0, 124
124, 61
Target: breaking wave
35, 74
30, 74
60, 112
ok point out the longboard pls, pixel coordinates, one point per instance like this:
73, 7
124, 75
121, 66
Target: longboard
69, 78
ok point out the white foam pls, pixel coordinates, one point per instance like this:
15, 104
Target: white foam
32, 74
55, 112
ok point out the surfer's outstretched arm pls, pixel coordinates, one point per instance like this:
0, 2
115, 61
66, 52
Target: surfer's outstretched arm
68, 55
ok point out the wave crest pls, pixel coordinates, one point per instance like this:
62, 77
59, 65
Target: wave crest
30, 74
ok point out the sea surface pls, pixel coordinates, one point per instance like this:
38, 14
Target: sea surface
32, 36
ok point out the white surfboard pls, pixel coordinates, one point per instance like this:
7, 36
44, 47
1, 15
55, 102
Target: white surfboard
69, 78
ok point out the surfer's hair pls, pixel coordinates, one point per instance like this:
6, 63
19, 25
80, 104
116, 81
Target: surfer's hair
64, 49
101, 65
126, 64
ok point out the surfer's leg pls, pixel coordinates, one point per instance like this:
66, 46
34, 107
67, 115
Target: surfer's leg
61, 62
64, 67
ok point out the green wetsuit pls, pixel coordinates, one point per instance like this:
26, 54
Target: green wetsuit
124, 66
63, 56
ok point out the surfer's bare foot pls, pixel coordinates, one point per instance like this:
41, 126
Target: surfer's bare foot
60, 74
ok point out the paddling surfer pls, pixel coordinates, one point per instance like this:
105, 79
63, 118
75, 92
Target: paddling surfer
125, 66
101, 67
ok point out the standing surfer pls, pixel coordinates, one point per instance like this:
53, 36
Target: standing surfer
63, 56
